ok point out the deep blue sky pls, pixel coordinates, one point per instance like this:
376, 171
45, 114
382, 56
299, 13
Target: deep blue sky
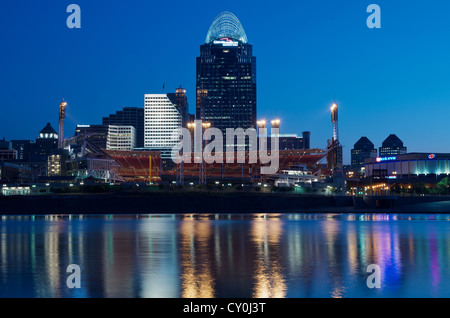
390, 80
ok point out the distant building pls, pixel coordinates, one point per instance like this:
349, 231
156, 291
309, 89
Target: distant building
129, 116
392, 146
6, 152
12, 173
411, 166
179, 99
162, 119
56, 163
4, 144
121, 138
294, 142
362, 150
46, 142
96, 134
24, 148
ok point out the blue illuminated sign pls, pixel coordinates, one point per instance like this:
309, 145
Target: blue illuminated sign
380, 159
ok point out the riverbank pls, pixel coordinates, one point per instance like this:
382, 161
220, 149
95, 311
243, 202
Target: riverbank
207, 202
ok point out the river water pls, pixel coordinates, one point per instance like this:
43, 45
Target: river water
226, 255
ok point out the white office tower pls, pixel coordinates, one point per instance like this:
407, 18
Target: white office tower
121, 138
161, 122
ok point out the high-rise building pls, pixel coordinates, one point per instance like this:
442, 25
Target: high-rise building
129, 116
226, 76
121, 138
392, 146
162, 120
46, 142
179, 99
362, 150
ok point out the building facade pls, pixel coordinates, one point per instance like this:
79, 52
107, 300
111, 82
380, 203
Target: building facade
411, 165
96, 134
129, 116
294, 142
226, 76
46, 142
162, 121
392, 146
362, 150
24, 148
121, 138
179, 99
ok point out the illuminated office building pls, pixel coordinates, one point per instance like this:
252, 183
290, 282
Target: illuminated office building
226, 76
162, 120
46, 142
121, 138
129, 116
392, 146
362, 150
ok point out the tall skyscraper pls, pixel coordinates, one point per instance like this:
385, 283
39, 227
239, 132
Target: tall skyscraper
362, 150
129, 116
226, 76
392, 146
179, 99
162, 119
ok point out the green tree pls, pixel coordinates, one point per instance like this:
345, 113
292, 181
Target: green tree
443, 186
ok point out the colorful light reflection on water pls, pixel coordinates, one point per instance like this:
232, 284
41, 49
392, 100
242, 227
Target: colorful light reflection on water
225, 255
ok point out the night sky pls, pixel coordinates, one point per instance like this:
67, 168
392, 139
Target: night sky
389, 80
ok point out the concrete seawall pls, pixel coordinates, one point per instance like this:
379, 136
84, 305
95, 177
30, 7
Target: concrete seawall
208, 202
168, 203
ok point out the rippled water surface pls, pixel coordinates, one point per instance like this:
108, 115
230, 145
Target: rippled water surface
199, 255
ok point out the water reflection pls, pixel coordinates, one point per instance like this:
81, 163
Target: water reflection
224, 255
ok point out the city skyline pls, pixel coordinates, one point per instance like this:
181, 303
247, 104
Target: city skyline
327, 53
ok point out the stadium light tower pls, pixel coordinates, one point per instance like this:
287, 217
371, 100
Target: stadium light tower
334, 120
62, 116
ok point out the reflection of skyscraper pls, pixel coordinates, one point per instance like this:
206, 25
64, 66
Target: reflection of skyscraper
197, 280
226, 76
